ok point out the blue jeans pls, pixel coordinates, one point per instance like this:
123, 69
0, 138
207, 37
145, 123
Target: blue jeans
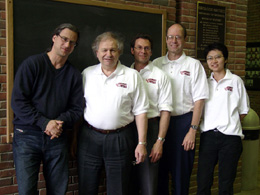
30, 148
216, 147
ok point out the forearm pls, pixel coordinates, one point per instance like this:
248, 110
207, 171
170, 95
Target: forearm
141, 124
164, 123
197, 111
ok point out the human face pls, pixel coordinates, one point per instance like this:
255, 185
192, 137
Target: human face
175, 40
216, 61
142, 51
108, 53
64, 43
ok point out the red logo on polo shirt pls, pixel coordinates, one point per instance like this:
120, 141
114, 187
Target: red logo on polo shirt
187, 73
124, 85
228, 88
153, 81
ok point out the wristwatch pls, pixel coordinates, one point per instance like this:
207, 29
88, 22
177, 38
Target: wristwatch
142, 143
195, 127
161, 139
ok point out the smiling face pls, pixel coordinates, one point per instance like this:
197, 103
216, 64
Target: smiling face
108, 53
216, 61
142, 51
175, 40
64, 43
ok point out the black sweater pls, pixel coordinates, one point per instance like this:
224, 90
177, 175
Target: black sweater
42, 93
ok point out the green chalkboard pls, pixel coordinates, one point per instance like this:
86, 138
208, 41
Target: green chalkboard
34, 21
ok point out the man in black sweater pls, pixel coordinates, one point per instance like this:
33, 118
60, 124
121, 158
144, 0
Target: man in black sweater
47, 99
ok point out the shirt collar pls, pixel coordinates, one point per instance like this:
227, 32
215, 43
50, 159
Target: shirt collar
228, 75
119, 69
148, 67
180, 60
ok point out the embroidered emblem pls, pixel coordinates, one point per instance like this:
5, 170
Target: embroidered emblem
20, 130
187, 73
228, 88
153, 81
124, 85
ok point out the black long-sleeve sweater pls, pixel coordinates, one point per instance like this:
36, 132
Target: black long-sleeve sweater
42, 93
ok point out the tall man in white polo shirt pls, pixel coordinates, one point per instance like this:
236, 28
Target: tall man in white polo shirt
159, 91
190, 89
114, 96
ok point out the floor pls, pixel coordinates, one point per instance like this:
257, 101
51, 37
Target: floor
257, 190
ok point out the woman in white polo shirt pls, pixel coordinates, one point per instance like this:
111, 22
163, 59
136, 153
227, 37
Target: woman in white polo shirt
221, 130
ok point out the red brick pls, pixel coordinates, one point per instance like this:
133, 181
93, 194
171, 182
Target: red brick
6, 165
6, 182
6, 157
5, 148
9, 189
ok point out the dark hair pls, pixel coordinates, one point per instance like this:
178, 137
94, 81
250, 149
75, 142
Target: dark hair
216, 46
141, 36
183, 28
107, 35
61, 27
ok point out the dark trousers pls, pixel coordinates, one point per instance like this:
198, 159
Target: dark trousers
225, 150
175, 159
145, 175
114, 151
30, 148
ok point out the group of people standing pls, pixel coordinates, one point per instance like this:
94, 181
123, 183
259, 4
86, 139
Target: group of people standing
139, 122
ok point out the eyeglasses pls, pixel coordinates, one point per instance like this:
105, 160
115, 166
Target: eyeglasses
171, 37
65, 40
210, 58
140, 48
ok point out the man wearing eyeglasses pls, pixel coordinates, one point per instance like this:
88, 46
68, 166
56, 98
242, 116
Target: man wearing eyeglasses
47, 99
190, 89
158, 88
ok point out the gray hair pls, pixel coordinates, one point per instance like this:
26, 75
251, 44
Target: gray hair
108, 35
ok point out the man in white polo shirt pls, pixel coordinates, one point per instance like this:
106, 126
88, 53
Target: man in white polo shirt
189, 90
114, 96
159, 92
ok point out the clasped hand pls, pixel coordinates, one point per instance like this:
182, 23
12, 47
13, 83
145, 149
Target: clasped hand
54, 128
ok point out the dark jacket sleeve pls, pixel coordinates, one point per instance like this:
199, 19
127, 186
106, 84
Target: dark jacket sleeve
21, 101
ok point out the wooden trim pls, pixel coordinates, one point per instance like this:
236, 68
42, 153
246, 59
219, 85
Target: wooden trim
9, 67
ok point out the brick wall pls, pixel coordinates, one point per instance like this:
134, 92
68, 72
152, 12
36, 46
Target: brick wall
253, 25
181, 11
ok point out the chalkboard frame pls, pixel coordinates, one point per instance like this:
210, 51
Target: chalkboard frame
10, 43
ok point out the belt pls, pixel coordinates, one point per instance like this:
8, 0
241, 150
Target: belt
212, 130
153, 119
107, 131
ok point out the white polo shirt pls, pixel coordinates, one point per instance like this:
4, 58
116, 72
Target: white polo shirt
189, 82
158, 88
112, 102
227, 100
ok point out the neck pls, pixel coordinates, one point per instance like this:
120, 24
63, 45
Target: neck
108, 70
57, 61
174, 56
140, 66
219, 75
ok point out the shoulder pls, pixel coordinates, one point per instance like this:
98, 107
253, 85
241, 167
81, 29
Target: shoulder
33, 62
158, 61
156, 70
193, 61
72, 68
89, 69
